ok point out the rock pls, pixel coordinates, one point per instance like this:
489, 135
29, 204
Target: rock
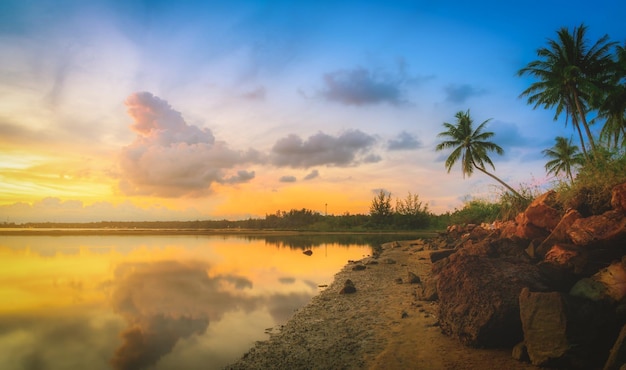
607, 284
567, 256
412, 278
520, 353
542, 211
608, 228
398, 280
359, 268
559, 234
563, 331
308, 252
617, 356
348, 287
478, 298
440, 254
538, 220
618, 197
428, 291
390, 261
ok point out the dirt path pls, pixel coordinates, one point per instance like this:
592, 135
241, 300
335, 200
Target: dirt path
381, 326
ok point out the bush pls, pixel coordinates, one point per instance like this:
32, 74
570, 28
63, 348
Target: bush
590, 194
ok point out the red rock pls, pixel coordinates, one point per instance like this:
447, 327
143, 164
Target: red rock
567, 256
478, 298
609, 227
541, 212
559, 234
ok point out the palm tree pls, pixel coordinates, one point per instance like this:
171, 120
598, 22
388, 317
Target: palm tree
471, 146
571, 75
563, 156
613, 105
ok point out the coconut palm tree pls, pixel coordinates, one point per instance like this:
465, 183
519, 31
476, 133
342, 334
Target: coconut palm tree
612, 107
563, 157
471, 147
571, 73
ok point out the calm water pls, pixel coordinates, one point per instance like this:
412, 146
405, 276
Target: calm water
158, 302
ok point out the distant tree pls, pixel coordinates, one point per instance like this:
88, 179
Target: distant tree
563, 157
411, 212
471, 147
380, 209
572, 74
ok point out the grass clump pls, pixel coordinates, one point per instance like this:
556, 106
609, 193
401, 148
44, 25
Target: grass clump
590, 193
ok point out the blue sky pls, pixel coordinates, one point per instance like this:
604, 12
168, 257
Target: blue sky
212, 109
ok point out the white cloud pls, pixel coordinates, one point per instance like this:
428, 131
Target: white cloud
171, 158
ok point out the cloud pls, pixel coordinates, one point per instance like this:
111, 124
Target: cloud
404, 141
361, 86
287, 179
311, 175
170, 158
257, 94
458, 94
321, 149
241, 177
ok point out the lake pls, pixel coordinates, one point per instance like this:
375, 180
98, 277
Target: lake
158, 302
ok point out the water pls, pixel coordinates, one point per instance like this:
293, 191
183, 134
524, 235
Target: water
158, 302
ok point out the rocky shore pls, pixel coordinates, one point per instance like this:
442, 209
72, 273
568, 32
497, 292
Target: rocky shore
545, 290
384, 324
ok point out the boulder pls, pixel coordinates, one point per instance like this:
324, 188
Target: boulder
606, 229
563, 331
617, 356
478, 298
607, 284
543, 212
568, 257
618, 197
440, 254
559, 233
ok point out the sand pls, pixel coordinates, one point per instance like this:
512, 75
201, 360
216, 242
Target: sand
381, 326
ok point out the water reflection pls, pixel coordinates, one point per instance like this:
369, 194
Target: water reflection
160, 302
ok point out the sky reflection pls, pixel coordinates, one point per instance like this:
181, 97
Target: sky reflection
157, 302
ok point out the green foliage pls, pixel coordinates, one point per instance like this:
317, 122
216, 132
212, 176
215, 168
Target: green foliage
510, 205
380, 210
475, 212
590, 193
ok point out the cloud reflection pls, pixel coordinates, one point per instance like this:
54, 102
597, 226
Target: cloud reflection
166, 301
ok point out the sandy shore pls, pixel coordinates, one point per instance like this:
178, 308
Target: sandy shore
381, 326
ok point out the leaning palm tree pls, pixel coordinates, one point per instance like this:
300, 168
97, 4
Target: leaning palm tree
471, 146
563, 157
571, 75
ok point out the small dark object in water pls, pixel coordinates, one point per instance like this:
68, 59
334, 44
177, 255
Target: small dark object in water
308, 253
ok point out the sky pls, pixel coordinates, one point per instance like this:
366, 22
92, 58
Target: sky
190, 110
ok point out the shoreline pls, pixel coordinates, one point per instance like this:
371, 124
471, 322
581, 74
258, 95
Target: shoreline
130, 232
382, 326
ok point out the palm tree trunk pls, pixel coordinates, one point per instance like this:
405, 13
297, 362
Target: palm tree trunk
500, 181
580, 135
584, 121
